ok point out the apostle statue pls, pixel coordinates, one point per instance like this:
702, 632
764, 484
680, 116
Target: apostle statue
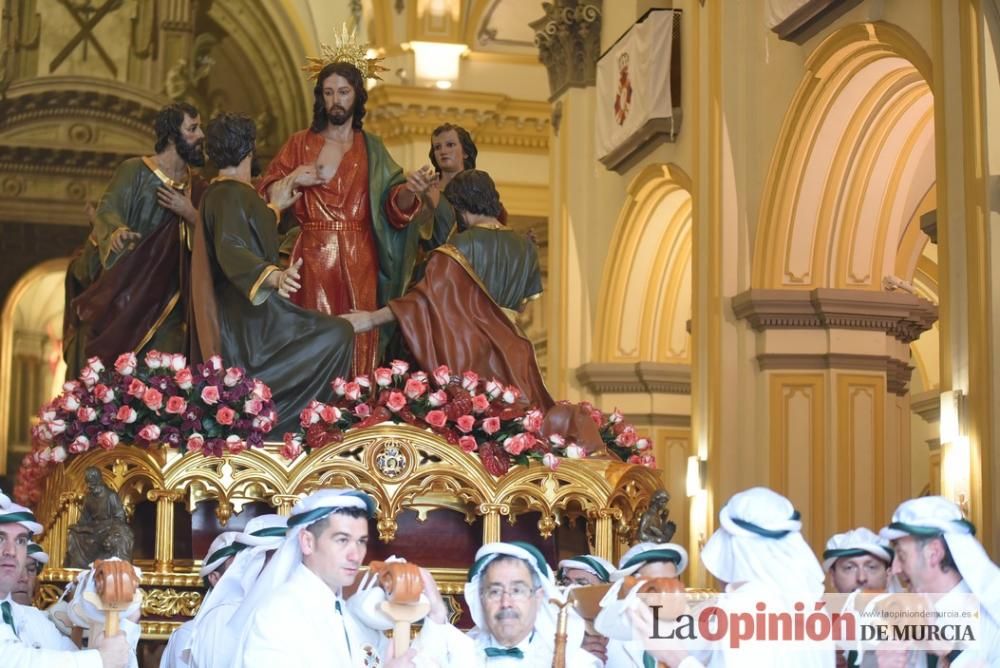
102, 531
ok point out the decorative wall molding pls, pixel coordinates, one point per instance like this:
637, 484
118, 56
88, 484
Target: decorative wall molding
928, 225
810, 17
900, 315
896, 371
410, 113
927, 405
651, 377
568, 38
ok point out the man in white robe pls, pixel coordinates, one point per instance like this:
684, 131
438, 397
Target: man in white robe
28, 639
759, 552
213, 639
220, 556
857, 560
936, 551
24, 592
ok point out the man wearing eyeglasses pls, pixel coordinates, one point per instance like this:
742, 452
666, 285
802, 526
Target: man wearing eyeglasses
857, 559
508, 593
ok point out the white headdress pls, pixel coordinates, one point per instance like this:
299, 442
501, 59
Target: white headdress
644, 553
856, 543
930, 516
759, 540
591, 563
13, 513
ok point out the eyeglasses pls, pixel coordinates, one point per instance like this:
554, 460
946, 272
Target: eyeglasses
517, 592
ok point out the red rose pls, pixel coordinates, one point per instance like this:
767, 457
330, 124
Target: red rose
467, 443
465, 423
225, 415
176, 405
491, 425
396, 402
495, 460
480, 403
210, 394
153, 399
436, 418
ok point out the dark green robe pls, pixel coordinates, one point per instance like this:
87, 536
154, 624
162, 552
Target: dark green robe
505, 261
80, 274
130, 201
295, 351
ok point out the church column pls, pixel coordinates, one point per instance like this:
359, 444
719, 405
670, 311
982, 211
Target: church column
569, 39
836, 365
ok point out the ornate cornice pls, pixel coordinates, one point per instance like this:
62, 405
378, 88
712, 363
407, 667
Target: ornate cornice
58, 161
898, 314
897, 372
411, 113
646, 377
568, 38
927, 405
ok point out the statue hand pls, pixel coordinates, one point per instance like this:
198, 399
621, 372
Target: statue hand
306, 175
361, 321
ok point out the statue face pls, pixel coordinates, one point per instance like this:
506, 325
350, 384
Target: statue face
93, 479
338, 96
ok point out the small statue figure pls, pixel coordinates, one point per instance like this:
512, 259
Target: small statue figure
654, 526
102, 531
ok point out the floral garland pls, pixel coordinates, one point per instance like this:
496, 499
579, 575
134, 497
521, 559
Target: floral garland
483, 417
210, 409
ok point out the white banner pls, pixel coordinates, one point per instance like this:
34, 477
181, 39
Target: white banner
633, 82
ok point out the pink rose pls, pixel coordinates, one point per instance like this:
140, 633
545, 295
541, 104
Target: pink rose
363, 411
557, 440
176, 405
149, 433
56, 427
363, 381
264, 423
153, 399
494, 388
399, 367
210, 394
436, 418
80, 444
469, 380
551, 461
89, 376
465, 423
574, 451
383, 377
184, 379
442, 375
627, 438
533, 420
154, 359
253, 406
126, 363
414, 388
597, 416
517, 444
616, 417
308, 416
329, 414
436, 399
104, 393
292, 447
261, 391
195, 442
467, 443
647, 459
136, 388
338, 385
643, 444
233, 376
107, 439
491, 425
510, 395
177, 362
352, 391
225, 415
126, 414
480, 403
396, 402
86, 414
235, 444
95, 364
69, 402
421, 376
58, 454
71, 386
215, 362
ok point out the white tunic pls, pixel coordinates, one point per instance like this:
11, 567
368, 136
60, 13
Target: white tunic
39, 644
213, 642
298, 625
537, 653
174, 655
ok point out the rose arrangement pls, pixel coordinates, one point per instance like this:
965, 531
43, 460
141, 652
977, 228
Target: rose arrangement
483, 417
210, 409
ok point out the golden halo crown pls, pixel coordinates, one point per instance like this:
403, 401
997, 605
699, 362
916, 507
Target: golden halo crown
345, 49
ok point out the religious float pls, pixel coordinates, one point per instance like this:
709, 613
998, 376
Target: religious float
452, 460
